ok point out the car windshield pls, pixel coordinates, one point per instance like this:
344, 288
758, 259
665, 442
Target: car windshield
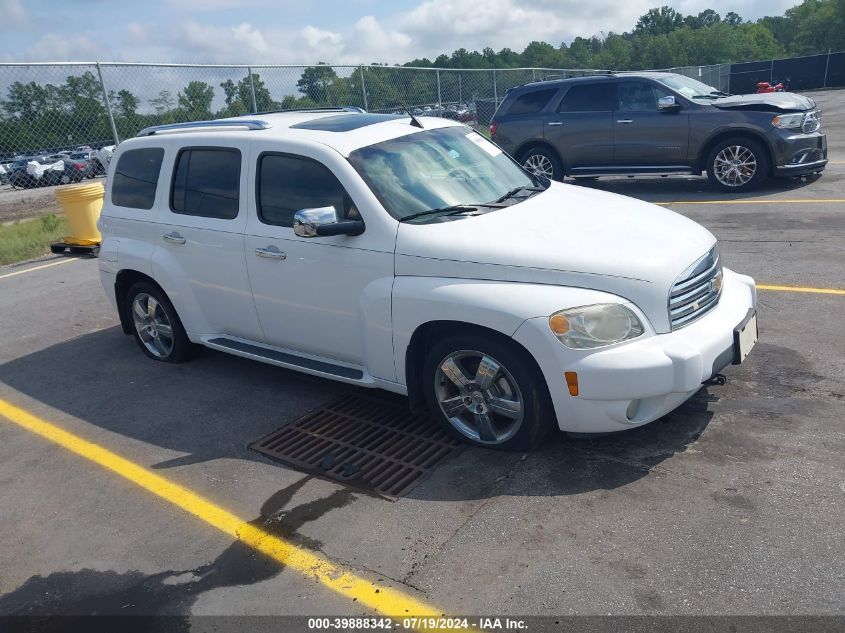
440, 169
691, 88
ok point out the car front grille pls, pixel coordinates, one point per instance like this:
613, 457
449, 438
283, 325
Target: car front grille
696, 291
812, 122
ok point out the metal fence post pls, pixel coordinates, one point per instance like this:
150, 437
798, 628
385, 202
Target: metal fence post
533, 74
107, 103
439, 99
772, 72
826, 66
363, 87
495, 90
252, 90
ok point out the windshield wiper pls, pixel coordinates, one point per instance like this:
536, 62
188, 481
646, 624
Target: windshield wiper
451, 209
719, 93
516, 190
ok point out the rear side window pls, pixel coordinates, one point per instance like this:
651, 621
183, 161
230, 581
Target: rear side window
206, 182
287, 184
531, 102
136, 178
588, 98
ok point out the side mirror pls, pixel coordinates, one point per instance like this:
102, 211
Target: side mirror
323, 222
668, 104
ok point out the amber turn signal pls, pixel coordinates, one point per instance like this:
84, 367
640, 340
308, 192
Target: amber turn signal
572, 382
559, 324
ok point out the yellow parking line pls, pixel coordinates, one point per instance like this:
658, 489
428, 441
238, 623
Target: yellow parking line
382, 599
34, 268
821, 291
781, 201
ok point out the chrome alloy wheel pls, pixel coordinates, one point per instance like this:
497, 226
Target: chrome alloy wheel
479, 397
152, 325
539, 165
735, 166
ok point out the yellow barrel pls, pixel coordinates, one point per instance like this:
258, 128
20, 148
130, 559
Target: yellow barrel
82, 205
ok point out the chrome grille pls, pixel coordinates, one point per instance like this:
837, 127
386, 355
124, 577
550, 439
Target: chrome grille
696, 291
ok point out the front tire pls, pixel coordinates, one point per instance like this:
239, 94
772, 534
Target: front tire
541, 161
488, 392
739, 164
156, 326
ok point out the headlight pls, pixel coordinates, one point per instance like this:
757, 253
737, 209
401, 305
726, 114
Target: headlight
595, 325
788, 121
807, 122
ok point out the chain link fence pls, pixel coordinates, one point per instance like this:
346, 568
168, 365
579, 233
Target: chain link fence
49, 108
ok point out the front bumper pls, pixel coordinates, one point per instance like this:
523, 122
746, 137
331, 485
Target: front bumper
800, 154
634, 383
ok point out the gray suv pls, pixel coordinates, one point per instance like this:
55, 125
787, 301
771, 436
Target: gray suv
659, 123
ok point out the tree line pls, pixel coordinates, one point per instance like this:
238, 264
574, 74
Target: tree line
41, 116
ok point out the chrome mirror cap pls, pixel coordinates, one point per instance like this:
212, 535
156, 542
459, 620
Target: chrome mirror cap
667, 103
307, 221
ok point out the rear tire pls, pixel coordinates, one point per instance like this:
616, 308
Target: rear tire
738, 164
488, 392
542, 162
155, 325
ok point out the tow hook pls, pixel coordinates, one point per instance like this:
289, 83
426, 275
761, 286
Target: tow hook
716, 379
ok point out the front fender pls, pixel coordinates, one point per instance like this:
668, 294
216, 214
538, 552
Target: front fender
496, 305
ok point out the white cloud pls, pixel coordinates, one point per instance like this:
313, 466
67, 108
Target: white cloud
210, 43
428, 29
61, 48
12, 15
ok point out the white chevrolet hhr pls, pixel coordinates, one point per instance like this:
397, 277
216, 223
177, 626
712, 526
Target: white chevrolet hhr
417, 257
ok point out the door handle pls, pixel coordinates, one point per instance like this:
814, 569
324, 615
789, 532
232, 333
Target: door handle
173, 238
271, 252
625, 120
555, 123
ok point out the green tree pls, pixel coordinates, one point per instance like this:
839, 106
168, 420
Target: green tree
659, 21
124, 103
195, 100
163, 103
315, 81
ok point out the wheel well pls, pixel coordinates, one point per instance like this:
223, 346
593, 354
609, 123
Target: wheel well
124, 281
424, 338
701, 163
535, 143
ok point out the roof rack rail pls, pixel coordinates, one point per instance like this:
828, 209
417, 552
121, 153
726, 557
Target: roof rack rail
249, 124
353, 109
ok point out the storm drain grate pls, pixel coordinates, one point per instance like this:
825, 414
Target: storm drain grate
369, 441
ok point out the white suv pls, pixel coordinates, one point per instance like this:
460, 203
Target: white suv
417, 257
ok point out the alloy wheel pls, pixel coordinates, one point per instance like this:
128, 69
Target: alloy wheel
539, 165
152, 325
479, 397
735, 166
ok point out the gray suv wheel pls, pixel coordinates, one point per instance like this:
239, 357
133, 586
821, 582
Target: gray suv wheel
542, 162
737, 164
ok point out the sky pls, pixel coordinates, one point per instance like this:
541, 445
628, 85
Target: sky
306, 31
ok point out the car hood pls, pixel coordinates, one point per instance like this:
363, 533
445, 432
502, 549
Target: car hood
568, 235
767, 102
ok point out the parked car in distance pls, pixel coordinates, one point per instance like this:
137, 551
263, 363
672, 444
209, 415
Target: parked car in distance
659, 123
65, 170
415, 256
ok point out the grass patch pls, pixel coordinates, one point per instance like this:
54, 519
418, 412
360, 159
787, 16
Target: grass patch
24, 240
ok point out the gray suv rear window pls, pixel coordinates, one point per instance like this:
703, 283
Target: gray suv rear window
531, 102
588, 98
136, 178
